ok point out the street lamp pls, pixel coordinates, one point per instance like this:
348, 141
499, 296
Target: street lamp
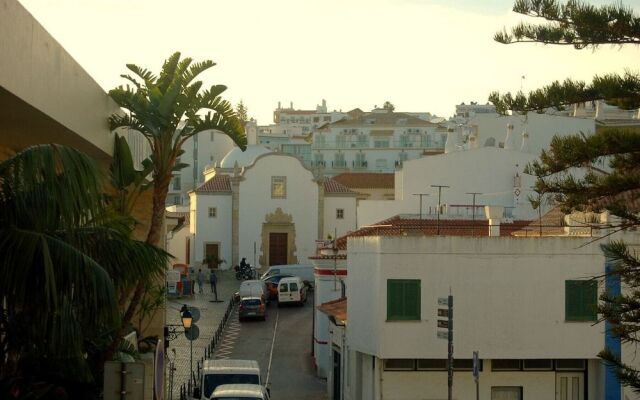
187, 319
186, 316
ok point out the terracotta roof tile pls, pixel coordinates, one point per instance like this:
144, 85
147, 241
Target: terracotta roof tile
335, 187
335, 308
219, 183
366, 180
397, 226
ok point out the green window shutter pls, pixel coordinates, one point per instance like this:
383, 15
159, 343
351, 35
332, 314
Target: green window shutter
581, 299
403, 299
394, 299
412, 299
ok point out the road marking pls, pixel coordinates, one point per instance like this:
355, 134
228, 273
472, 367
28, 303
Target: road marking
229, 338
273, 341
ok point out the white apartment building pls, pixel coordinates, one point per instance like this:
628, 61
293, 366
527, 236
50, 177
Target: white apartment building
524, 303
379, 141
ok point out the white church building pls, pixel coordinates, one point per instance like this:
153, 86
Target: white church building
265, 206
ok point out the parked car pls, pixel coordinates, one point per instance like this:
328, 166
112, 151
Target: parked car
302, 270
252, 307
254, 288
244, 392
224, 372
292, 290
272, 284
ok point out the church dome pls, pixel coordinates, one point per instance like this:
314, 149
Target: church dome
243, 158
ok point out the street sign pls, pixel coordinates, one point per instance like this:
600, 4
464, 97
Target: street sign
443, 312
195, 313
443, 324
443, 335
476, 365
443, 301
192, 333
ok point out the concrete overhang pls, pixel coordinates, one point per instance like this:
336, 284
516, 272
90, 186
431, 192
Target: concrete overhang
45, 95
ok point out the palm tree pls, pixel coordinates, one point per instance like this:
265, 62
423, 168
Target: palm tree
168, 110
64, 254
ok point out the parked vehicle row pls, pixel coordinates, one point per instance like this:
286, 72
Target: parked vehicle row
231, 380
285, 284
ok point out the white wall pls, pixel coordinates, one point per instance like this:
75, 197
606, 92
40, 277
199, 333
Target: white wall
331, 223
508, 296
405, 385
211, 230
541, 128
486, 170
177, 245
326, 288
256, 203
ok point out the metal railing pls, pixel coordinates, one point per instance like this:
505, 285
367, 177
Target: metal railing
186, 389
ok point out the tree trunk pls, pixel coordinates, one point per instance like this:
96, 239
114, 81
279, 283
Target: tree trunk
160, 190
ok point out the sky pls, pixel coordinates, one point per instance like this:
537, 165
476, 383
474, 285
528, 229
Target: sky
422, 55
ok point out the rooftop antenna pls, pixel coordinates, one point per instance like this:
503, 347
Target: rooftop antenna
421, 195
473, 212
440, 187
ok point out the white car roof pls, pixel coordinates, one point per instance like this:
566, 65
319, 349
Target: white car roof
238, 390
290, 279
238, 366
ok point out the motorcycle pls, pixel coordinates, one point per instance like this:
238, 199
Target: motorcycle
245, 272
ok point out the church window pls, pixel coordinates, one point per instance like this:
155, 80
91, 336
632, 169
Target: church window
278, 187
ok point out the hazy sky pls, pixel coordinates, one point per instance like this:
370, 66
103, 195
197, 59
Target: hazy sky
422, 55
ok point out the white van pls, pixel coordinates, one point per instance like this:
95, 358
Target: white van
292, 290
302, 270
254, 288
226, 372
244, 392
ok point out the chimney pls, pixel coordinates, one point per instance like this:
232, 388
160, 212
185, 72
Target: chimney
508, 141
494, 215
525, 142
599, 114
451, 144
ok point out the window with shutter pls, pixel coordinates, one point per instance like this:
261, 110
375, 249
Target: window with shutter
403, 299
581, 299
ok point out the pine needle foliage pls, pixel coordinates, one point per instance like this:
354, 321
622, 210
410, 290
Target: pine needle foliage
599, 172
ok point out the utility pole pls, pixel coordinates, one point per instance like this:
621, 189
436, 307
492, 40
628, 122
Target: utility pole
421, 195
450, 345
439, 204
473, 212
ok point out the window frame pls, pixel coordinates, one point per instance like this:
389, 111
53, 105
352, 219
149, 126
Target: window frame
392, 315
213, 214
278, 180
339, 213
518, 388
386, 368
575, 309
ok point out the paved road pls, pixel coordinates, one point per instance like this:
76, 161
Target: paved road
291, 373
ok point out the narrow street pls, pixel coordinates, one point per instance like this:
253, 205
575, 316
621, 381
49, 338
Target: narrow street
290, 374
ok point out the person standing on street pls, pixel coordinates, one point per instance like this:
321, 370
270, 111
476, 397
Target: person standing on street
200, 280
213, 280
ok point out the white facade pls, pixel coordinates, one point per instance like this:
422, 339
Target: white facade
541, 128
254, 197
330, 276
494, 172
509, 304
200, 153
375, 142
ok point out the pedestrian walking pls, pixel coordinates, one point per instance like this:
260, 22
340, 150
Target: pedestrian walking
213, 280
200, 280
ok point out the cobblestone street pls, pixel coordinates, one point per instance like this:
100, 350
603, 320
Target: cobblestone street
210, 316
